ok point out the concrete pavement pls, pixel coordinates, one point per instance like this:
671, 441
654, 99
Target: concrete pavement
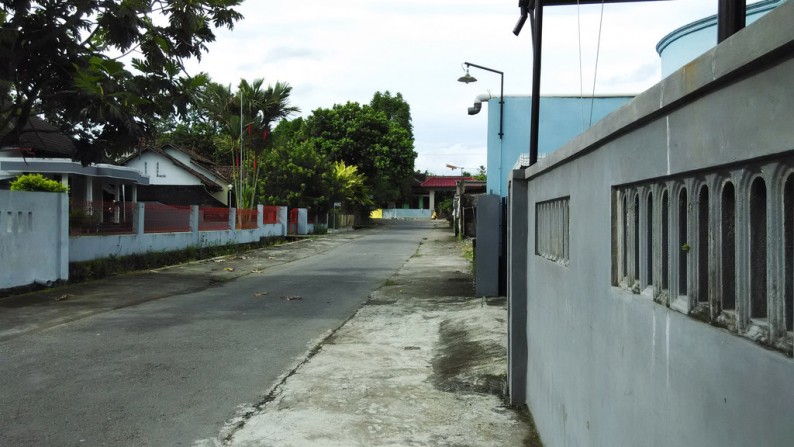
422, 363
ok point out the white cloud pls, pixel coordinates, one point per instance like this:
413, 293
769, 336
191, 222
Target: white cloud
334, 52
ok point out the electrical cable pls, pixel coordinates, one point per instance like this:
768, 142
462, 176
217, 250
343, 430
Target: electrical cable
581, 75
595, 70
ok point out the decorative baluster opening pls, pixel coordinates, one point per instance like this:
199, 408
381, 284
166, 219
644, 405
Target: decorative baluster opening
625, 244
682, 242
703, 245
788, 228
665, 241
649, 239
728, 243
758, 292
636, 237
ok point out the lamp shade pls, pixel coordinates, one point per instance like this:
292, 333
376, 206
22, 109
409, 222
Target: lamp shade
467, 78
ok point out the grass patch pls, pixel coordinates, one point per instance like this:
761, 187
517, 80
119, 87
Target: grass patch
467, 251
116, 265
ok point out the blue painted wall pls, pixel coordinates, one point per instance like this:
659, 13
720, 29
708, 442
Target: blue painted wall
561, 119
690, 41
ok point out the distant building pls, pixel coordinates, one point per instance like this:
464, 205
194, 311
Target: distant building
561, 119
443, 183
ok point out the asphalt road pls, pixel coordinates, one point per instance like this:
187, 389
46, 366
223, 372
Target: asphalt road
174, 370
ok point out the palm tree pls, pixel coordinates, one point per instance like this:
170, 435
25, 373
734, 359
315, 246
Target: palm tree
246, 117
261, 109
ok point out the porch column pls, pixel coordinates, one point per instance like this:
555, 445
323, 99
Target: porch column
89, 195
432, 200
134, 192
116, 202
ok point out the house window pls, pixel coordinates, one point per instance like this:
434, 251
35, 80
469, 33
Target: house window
158, 170
146, 168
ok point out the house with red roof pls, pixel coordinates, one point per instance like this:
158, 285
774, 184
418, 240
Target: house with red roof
449, 183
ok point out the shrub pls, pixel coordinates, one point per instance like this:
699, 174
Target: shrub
445, 207
37, 182
320, 229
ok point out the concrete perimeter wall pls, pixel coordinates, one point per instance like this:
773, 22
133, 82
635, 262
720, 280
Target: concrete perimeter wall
35, 246
34, 230
405, 213
657, 261
87, 248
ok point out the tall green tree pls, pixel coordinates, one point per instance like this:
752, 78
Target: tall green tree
361, 136
395, 108
62, 60
296, 175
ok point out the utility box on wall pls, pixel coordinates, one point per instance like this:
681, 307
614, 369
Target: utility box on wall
490, 274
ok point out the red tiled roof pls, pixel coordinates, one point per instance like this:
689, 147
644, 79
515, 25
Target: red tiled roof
447, 181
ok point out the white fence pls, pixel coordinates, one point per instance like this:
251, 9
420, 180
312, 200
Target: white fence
86, 248
35, 246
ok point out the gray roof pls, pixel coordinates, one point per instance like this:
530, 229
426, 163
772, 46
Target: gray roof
42, 136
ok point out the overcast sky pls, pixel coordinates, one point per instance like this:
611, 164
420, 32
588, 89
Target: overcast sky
345, 50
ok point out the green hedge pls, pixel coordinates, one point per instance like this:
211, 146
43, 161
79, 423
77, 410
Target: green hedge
37, 182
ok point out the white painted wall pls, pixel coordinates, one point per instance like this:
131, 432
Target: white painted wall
34, 230
168, 173
406, 213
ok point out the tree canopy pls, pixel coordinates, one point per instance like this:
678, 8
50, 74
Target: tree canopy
364, 153
380, 148
63, 61
294, 174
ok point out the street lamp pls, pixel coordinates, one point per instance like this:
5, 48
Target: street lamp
453, 167
467, 78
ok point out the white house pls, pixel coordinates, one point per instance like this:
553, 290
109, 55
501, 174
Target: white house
179, 177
